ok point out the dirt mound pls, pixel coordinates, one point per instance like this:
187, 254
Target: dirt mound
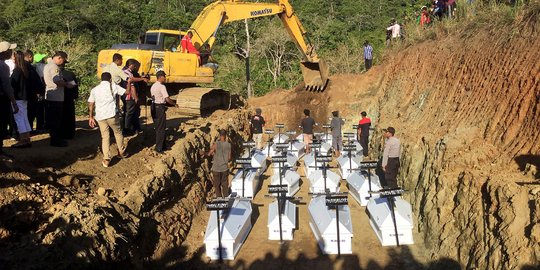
134, 214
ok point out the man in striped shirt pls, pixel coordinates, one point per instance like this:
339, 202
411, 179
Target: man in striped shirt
368, 55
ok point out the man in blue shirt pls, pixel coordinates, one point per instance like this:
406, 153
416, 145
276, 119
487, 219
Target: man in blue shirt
368, 55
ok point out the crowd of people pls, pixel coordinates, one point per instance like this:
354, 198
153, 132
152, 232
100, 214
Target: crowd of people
221, 149
38, 93
35, 89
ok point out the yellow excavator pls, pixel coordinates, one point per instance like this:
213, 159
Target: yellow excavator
161, 50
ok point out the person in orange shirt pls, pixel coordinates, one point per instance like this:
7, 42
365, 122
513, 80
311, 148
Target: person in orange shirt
188, 47
424, 17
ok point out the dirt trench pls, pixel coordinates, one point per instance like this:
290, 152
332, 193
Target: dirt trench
468, 116
79, 216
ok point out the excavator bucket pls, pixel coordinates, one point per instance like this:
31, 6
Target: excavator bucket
315, 75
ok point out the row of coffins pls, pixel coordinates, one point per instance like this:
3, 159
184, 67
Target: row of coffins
390, 217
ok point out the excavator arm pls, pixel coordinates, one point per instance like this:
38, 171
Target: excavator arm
205, 27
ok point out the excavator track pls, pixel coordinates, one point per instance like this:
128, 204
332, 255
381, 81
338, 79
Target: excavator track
200, 101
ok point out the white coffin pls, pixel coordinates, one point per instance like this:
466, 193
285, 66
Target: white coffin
300, 138
258, 160
298, 149
326, 149
280, 138
359, 148
359, 186
235, 227
250, 183
323, 224
316, 181
270, 150
381, 221
345, 164
309, 163
288, 221
327, 138
290, 178
291, 163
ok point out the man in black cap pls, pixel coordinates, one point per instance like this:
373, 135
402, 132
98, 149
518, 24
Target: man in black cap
7, 99
160, 99
54, 97
390, 163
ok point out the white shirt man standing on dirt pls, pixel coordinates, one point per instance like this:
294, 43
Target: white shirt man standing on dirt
221, 150
257, 124
103, 99
160, 98
390, 162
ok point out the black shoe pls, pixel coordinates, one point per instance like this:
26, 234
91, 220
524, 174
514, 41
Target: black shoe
128, 133
22, 145
6, 157
59, 144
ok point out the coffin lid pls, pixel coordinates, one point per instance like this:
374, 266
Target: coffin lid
380, 213
325, 218
250, 174
359, 181
291, 178
239, 214
287, 219
316, 178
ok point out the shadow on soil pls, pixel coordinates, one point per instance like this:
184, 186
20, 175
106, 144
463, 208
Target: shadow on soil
401, 259
525, 162
44, 163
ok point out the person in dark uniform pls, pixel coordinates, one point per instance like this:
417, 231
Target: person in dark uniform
54, 96
390, 163
71, 93
160, 99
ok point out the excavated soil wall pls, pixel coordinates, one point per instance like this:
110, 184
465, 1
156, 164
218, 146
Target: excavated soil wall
59, 224
467, 110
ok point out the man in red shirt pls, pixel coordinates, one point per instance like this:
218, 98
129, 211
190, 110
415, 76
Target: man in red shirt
187, 45
363, 132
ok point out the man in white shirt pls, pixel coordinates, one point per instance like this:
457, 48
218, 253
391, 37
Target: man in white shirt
160, 98
390, 162
395, 28
115, 69
103, 99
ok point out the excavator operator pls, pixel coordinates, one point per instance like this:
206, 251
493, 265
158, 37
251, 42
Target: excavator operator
187, 45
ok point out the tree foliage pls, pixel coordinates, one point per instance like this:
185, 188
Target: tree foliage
337, 28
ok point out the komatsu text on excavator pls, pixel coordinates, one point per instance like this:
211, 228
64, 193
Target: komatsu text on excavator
161, 50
